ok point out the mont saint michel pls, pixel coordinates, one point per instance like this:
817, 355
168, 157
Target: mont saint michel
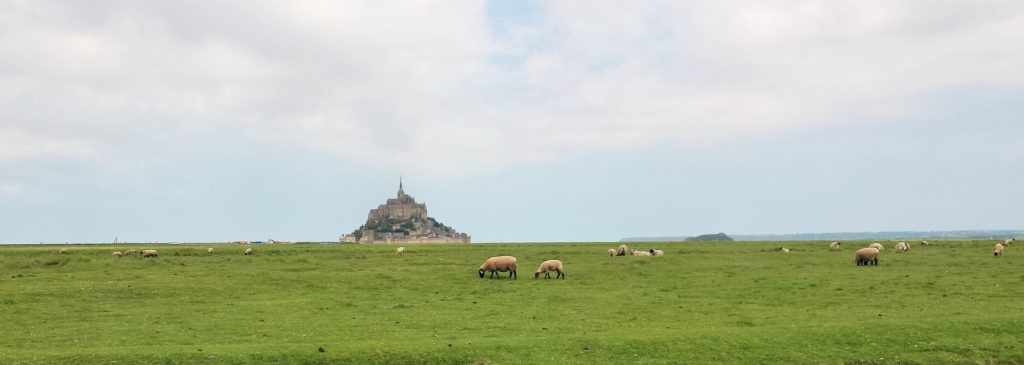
403, 220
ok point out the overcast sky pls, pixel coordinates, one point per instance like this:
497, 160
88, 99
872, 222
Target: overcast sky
512, 120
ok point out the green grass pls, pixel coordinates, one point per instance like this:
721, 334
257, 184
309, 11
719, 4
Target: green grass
703, 303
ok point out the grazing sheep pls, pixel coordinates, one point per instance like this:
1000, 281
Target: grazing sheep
209, 250
400, 250
999, 250
877, 245
550, 265
640, 253
612, 252
834, 246
902, 247
149, 253
1009, 241
499, 264
657, 252
62, 251
116, 254
622, 250
866, 256
129, 252
248, 251
784, 250
924, 243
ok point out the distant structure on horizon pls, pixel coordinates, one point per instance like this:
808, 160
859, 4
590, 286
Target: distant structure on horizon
403, 220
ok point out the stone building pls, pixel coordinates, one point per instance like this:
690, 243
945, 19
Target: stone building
402, 220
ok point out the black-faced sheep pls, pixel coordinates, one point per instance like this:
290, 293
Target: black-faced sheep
834, 246
924, 243
550, 265
999, 250
499, 264
655, 252
400, 250
866, 256
622, 250
248, 251
612, 252
902, 247
116, 254
1009, 241
149, 253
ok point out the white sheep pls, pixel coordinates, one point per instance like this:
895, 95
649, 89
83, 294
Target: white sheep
877, 245
640, 253
866, 256
622, 250
129, 252
400, 250
149, 253
835, 245
550, 265
902, 247
999, 250
248, 251
116, 254
924, 243
499, 264
784, 250
612, 252
655, 252
62, 251
209, 250
1009, 241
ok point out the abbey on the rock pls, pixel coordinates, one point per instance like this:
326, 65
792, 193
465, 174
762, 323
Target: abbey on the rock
403, 220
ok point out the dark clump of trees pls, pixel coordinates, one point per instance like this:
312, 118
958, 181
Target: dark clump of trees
711, 237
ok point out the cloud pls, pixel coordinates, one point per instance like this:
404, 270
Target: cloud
431, 87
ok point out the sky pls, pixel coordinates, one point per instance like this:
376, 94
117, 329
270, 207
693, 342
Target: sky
514, 121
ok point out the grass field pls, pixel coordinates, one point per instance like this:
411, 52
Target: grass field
702, 303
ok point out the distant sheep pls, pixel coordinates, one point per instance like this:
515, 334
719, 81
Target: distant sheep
550, 265
999, 250
1009, 241
834, 246
640, 253
248, 251
129, 252
902, 247
209, 250
657, 252
866, 256
62, 251
400, 250
622, 250
924, 243
149, 253
612, 252
877, 245
499, 264
784, 250
116, 254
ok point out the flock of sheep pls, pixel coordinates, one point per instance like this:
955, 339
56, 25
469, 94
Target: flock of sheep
621, 251
869, 255
150, 253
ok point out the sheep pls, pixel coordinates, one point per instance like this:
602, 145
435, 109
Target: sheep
116, 254
209, 250
550, 265
640, 253
248, 251
499, 264
877, 245
784, 250
902, 247
924, 243
612, 252
657, 252
62, 251
400, 250
1009, 241
622, 250
129, 252
149, 253
834, 246
866, 256
999, 250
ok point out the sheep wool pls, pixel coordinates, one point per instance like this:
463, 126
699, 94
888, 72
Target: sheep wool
999, 250
657, 252
209, 250
62, 251
622, 250
116, 254
248, 251
902, 247
784, 250
866, 256
1009, 241
835, 245
499, 264
877, 245
924, 243
400, 250
129, 252
612, 252
550, 265
149, 253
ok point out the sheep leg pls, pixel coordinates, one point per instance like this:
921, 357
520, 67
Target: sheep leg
561, 274
513, 273
492, 274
